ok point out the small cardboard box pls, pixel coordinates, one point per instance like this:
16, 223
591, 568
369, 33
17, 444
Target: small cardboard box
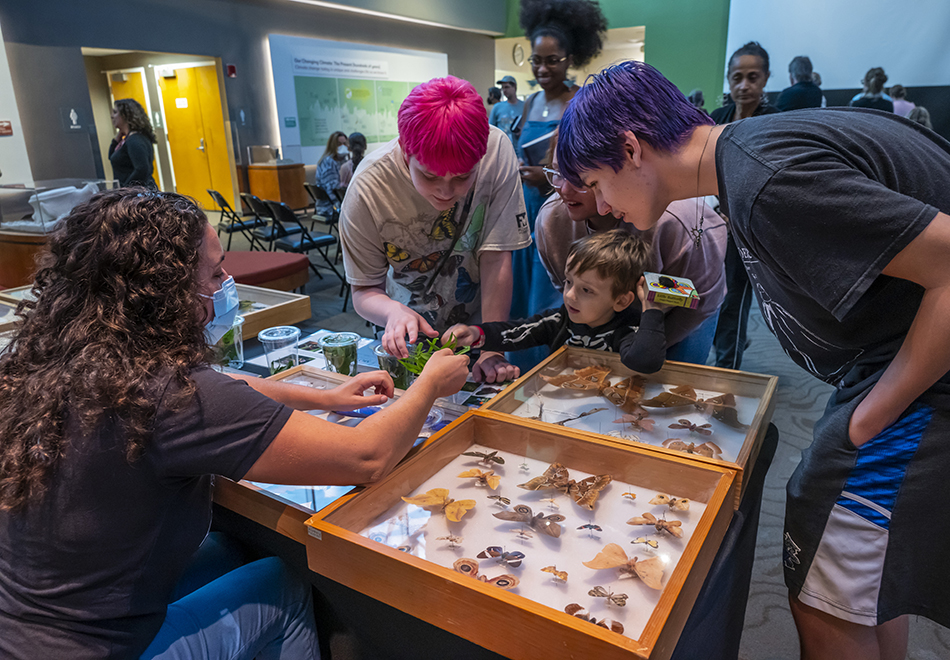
666, 290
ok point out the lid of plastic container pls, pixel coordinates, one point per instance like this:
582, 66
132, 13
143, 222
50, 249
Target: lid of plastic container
339, 339
278, 333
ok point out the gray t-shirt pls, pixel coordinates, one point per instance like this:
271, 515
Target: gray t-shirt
88, 570
820, 201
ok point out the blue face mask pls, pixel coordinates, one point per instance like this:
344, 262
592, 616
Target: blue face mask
225, 309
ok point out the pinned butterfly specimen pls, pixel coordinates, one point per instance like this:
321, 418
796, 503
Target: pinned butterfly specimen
552, 503
684, 395
469, 567
404, 548
702, 429
584, 492
559, 575
591, 528
661, 524
602, 592
588, 378
395, 253
424, 264
544, 524
576, 610
439, 497
512, 559
625, 394
675, 503
708, 449
630, 496
503, 501
452, 539
653, 543
637, 419
524, 467
488, 478
523, 533
443, 227
465, 288
491, 457
613, 556
582, 415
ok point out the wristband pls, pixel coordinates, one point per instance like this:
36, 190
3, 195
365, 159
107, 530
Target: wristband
481, 337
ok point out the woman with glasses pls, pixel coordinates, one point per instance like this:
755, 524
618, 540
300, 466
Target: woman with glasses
563, 33
571, 214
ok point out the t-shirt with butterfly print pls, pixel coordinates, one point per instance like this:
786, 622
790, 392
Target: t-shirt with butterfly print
391, 235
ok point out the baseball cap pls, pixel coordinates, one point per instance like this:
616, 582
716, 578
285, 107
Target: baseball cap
507, 79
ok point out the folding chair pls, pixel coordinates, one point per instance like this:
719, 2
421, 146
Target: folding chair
302, 241
268, 233
318, 195
232, 222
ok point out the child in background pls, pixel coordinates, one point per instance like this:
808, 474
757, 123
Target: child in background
603, 270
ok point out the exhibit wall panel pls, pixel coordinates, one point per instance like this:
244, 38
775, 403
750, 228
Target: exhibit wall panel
14, 161
44, 41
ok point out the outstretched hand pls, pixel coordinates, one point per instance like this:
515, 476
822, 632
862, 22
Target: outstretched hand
351, 394
406, 325
494, 368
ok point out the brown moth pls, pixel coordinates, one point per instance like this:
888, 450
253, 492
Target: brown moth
613, 556
661, 524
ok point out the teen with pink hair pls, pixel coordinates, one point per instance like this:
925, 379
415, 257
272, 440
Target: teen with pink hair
429, 222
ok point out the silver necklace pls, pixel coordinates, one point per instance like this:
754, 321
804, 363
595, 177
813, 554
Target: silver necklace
697, 232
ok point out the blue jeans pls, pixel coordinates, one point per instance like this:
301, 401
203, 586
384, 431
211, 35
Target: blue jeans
260, 610
694, 347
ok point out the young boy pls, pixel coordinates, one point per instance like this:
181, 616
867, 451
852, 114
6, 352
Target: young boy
602, 272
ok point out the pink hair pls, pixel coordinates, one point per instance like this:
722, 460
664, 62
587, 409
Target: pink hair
443, 124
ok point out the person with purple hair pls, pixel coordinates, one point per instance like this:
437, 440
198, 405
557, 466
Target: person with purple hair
840, 216
430, 220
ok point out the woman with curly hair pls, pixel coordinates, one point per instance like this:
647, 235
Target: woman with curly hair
131, 152
563, 34
112, 425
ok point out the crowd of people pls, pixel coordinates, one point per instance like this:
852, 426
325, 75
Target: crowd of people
521, 231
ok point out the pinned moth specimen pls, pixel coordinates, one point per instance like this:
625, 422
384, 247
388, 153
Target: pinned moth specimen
702, 429
545, 524
637, 419
584, 492
684, 395
502, 501
452, 539
491, 457
723, 409
523, 534
708, 449
488, 478
603, 592
613, 556
512, 559
653, 543
662, 524
469, 567
558, 575
625, 394
589, 378
630, 496
552, 503
576, 417
524, 467
454, 510
575, 609
675, 503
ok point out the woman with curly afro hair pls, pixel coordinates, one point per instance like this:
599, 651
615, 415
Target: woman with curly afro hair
563, 34
112, 425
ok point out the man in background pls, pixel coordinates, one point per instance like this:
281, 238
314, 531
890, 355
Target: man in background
504, 115
803, 93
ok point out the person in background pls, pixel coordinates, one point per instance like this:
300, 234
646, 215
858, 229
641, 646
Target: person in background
697, 99
131, 152
921, 115
563, 34
803, 93
902, 106
429, 222
113, 425
357, 146
571, 214
504, 115
840, 214
873, 95
328, 172
816, 78
494, 96
748, 74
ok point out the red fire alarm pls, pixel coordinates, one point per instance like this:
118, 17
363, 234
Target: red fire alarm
232, 70
6, 128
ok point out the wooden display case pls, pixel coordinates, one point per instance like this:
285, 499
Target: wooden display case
530, 620
531, 396
265, 308
16, 295
8, 318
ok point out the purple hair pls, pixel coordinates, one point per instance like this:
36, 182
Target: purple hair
630, 96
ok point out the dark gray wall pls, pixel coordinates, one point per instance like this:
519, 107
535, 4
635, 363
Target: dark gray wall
43, 40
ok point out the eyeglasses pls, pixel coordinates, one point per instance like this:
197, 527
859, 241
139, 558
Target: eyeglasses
557, 180
549, 61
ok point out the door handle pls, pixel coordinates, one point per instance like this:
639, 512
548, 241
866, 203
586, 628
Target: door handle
202, 147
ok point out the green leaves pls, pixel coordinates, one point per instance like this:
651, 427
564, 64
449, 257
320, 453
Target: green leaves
423, 350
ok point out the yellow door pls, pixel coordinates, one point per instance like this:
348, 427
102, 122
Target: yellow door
197, 138
133, 87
